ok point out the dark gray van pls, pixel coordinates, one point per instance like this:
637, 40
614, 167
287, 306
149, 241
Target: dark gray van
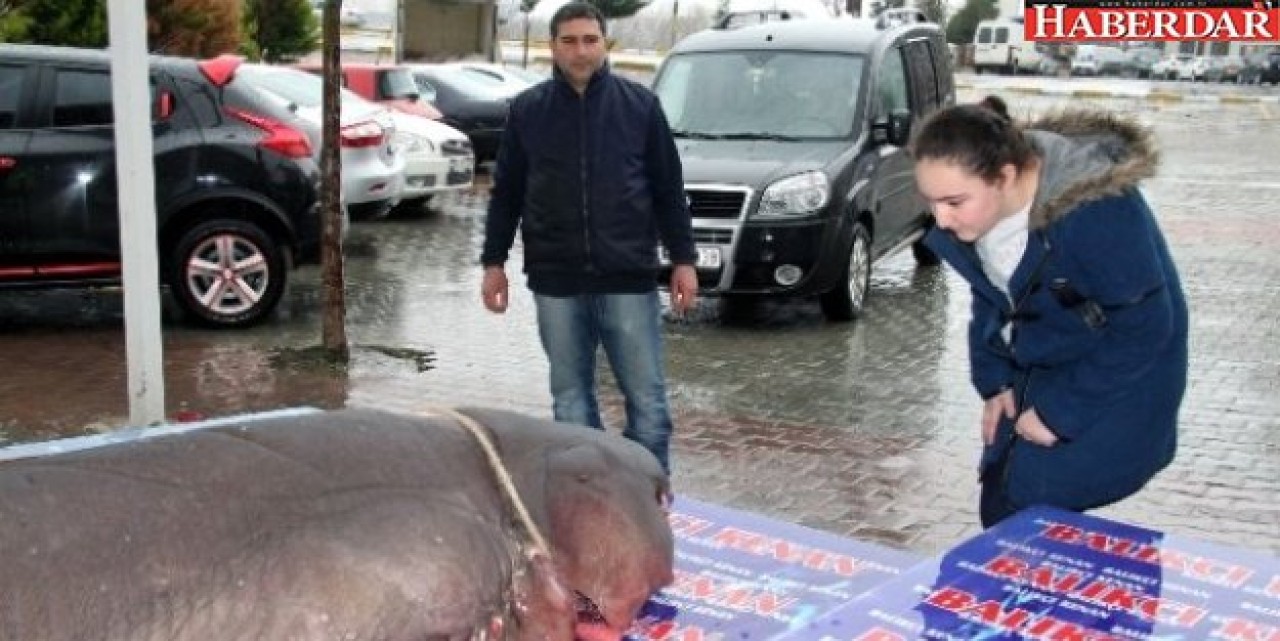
792, 138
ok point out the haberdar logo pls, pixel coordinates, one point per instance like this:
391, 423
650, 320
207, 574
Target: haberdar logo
1163, 20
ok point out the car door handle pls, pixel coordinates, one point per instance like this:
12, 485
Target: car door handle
7, 163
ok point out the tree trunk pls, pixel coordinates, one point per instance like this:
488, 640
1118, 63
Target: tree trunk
333, 320
524, 62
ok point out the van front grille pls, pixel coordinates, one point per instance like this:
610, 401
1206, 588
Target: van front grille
712, 236
716, 203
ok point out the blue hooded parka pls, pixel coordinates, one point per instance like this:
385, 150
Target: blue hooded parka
1099, 322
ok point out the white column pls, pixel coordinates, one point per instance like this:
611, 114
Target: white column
131, 98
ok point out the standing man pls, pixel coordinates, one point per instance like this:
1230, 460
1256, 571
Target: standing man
589, 170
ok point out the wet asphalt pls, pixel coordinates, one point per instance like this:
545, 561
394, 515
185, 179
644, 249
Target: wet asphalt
867, 429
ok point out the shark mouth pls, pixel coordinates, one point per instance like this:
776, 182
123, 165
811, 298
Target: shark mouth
588, 611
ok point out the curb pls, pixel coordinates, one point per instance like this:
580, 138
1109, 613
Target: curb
1155, 95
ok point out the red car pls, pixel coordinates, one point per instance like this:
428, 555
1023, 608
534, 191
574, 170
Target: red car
391, 85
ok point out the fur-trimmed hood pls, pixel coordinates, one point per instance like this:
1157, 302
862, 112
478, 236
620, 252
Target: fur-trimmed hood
1087, 155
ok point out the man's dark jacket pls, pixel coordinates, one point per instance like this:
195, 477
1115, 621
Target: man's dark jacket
594, 181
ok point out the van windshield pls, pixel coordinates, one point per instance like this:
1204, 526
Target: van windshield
779, 95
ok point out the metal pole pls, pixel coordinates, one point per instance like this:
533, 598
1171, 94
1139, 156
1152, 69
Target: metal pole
675, 22
131, 102
399, 42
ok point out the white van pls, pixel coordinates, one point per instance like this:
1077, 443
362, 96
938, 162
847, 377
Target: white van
1097, 60
998, 44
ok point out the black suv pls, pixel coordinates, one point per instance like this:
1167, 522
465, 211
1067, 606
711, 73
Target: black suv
792, 138
1270, 72
236, 192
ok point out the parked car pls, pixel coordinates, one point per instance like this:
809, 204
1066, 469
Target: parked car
1098, 60
516, 78
738, 19
438, 158
1224, 69
472, 101
348, 17
390, 85
1139, 61
1269, 69
372, 166
792, 138
1194, 69
1170, 67
236, 188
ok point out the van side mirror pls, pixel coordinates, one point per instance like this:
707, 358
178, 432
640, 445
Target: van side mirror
894, 129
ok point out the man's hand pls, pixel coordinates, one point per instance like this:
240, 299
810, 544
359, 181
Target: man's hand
493, 289
1031, 428
997, 406
684, 288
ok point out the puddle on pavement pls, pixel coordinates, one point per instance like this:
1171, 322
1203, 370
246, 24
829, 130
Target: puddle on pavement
77, 383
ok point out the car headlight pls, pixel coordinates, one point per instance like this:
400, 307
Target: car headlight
796, 195
413, 144
456, 147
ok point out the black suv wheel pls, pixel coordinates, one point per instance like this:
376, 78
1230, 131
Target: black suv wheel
227, 273
846, 302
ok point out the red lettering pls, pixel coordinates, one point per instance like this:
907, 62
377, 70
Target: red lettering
879, 634
1149, 554
1006, 566
1203, 569
1273, 588
1047, 579
988, 612
768, 604
1041, 627
1093, 590
738, 540
787, 551
666, 631
1174, 560
950, 599
1178, 613
732, 596
1016, 619
1237, 629
684, 525
846, 566
736, 598
1119, 598
1237, 575
1063, 533
816, 559
658, 631
1110, 545
698, 587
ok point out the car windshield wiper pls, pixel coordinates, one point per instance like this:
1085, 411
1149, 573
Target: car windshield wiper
696, 135
756, 135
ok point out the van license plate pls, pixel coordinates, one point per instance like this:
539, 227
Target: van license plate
708, 257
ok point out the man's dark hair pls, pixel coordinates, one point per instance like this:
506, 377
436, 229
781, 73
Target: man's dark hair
975, 137
996, 104
575, 11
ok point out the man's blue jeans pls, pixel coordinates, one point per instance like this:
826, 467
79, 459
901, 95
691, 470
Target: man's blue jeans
629, 327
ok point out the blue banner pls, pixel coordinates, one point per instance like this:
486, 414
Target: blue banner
745, 577
1062, 576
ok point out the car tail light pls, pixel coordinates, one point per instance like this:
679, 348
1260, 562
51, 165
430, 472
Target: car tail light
164, 106
281, 138
362, 134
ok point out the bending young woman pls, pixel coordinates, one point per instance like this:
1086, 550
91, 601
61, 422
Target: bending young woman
1078, 336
